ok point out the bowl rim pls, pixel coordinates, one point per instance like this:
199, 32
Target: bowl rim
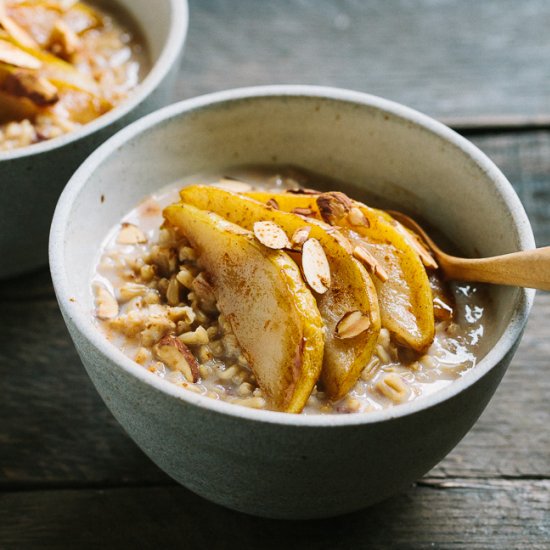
173, 44
83, 321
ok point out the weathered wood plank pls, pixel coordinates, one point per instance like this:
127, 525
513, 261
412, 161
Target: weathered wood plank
459, 59
464, 515
55, 429
524, 158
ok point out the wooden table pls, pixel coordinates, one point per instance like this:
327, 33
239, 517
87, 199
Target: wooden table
71, 478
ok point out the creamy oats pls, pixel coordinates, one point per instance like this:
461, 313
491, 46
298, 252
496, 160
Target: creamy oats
155, 303
62, 64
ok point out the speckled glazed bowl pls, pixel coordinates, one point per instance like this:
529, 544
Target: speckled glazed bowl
262, 462
32, 178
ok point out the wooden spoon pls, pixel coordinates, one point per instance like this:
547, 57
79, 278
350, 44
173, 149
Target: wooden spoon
529, 268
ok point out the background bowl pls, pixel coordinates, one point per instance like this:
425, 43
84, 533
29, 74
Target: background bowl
262, 462
32, 178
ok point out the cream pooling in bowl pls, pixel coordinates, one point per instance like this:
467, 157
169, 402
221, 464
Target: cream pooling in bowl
141, 299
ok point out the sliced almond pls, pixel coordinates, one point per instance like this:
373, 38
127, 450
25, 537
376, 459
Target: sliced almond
272, 203
315, 266
271, 235
177, 356
370, 262
425, 257
234, 185
442, 310
299, 237
12, 55
303, 191
106, 303
342, 241
333, 206
303, 211
19, 34
64, 42
131, 234
356, 217
352, 324
23, 83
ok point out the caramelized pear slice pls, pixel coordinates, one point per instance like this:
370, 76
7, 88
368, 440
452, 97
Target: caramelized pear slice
271, 311
405, 298
350, 288
56, 70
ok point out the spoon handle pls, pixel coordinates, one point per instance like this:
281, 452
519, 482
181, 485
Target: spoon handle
529, 269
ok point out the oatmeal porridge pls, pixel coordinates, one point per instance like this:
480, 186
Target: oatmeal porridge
62, 64
379, 326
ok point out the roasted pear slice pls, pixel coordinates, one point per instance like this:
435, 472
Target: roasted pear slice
405, 298
272, 312
53, 68
350, 289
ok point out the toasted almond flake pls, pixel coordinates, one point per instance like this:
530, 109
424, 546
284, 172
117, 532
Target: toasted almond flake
425, 257
352, 324
370, 262
303, 191
299, 237
12, 55
333, 206
303, 211
342, 241
177, 356
416, 242
442, 310
272, 203
19, 34
234, 185
131, 234
356, 217
106, 303
271, 235
315, 266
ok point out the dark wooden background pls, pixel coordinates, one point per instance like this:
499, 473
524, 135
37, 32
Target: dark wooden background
71, 478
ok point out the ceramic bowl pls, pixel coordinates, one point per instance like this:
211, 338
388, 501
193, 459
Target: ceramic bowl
32, 178
262, 462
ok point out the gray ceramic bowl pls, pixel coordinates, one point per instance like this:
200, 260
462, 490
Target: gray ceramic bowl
262, 462
32, 178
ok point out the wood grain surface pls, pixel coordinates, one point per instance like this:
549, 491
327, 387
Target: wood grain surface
71, 478
469, 62
460, 515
